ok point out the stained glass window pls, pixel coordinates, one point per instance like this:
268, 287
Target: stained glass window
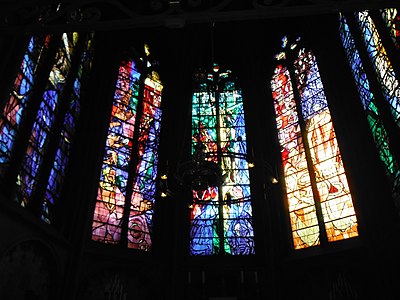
391, 17
45, 118
383, 68
221, 216
43, 132
374, 117
14, 109
127, 188
387, 79
319, 200
70, 120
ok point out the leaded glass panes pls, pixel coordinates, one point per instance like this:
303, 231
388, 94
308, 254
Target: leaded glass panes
313, 171
144, 187
221, 216
367, 97
383, 67
107, 221
45, 118
14, 109
391, 18
130, 160
32, 174
71, 118
387, 80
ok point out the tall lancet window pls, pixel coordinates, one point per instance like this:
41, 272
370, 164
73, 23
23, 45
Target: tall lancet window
127, 189
391, 17
319, 201
44, 100
383, 67
221, 214
371, 104
16, 104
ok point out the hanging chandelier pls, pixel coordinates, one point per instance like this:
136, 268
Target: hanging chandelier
201, 171
198, 173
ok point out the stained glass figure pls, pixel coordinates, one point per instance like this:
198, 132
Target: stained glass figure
317, 190
127, 184
221, 216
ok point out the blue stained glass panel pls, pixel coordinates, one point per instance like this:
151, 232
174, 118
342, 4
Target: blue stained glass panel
385, 73
19, 97
45, 118
221, 216
143, 199
58, 170
368, 100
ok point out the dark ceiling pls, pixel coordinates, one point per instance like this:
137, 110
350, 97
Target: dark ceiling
23, 15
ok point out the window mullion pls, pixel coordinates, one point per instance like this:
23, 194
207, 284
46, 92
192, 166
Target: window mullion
216, 93
387, 119
55, 133
28, 119
303, 130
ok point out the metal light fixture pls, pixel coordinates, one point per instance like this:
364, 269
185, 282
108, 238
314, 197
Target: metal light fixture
198, 173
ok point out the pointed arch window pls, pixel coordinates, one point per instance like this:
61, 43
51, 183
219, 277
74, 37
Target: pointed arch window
127, 188
384, 70
371, 104
221, 215
319, 201
41, 114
